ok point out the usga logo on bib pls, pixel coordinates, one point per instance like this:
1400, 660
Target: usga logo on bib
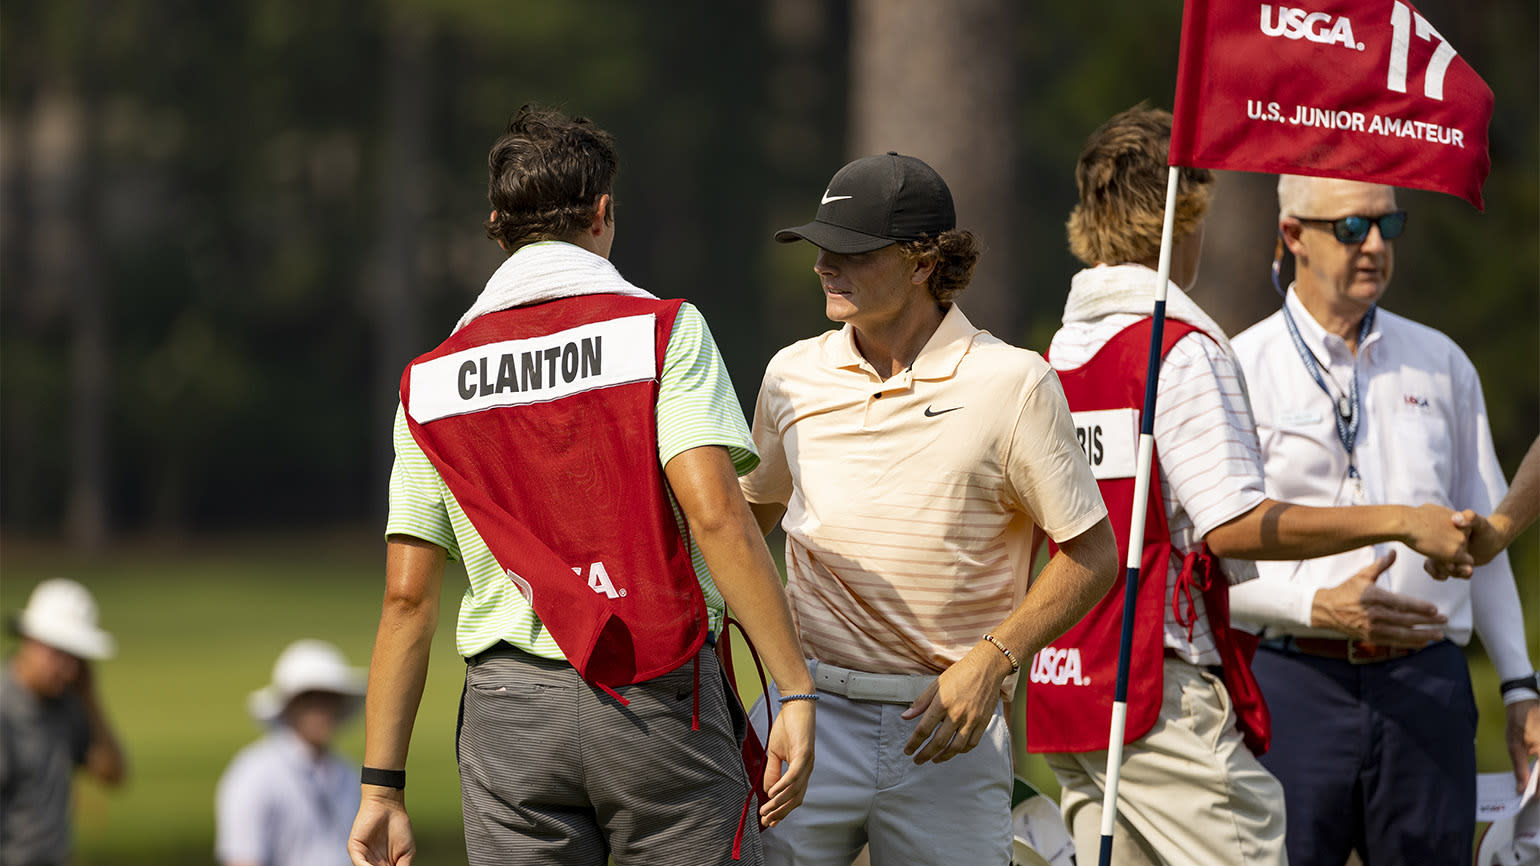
1058, 667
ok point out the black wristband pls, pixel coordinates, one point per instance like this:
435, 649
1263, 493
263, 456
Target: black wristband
383, 778
1530, 682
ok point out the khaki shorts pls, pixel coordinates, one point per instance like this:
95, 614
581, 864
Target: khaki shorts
1189, 792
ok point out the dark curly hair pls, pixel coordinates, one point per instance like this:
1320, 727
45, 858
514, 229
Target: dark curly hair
547, 174
955, 252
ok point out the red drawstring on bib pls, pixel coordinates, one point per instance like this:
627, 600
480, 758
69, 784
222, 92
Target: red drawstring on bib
1195, 575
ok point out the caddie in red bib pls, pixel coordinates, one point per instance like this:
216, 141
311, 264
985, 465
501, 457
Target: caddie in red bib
576, 444
1190, 788
1071, 682
585, 530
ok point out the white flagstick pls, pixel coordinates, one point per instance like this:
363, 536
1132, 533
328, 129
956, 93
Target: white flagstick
1136, 527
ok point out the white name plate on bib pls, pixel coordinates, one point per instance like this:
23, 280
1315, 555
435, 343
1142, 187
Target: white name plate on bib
536, 370
1109, 438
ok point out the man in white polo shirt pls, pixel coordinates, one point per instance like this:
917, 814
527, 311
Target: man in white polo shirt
1374, 746
912, 455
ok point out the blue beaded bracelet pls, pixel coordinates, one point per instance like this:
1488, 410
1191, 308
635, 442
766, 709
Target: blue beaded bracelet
809, 696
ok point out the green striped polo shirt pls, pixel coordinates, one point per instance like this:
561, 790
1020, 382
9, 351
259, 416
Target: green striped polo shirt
696, 406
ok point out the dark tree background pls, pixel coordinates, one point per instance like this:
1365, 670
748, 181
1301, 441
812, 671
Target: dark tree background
225, 227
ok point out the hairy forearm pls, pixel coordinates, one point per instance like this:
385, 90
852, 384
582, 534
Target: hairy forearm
1522, 504
1072, 582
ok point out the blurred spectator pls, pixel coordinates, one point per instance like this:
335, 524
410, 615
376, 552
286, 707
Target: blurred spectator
51, 722
288, 799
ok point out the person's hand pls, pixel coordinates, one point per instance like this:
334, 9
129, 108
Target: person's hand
1441, 535
1489, 535
382, 832
956, 709
1360, 609
791, 743
1523, 738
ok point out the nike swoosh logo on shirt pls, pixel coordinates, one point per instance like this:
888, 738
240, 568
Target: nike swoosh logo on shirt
828, 198
930, 413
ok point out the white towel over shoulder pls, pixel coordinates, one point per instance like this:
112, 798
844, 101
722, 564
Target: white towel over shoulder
547, 271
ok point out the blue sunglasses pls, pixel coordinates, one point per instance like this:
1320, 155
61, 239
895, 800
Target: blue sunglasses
1353, 229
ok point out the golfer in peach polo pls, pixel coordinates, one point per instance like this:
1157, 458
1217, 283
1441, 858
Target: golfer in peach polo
909, 457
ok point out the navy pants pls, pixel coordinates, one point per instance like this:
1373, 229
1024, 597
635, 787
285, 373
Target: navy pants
1377, 757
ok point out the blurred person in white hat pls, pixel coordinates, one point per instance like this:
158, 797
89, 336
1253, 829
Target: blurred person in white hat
288, 799
51, 722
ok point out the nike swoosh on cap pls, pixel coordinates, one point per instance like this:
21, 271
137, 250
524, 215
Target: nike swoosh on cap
828, 198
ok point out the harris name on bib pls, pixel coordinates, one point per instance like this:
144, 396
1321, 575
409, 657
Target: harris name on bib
534, 370
1109, 438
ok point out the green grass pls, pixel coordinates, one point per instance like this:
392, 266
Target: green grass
198, 629
199, 626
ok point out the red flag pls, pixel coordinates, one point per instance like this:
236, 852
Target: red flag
1358, 89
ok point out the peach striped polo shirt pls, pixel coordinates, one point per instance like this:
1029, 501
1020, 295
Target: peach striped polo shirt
910, 502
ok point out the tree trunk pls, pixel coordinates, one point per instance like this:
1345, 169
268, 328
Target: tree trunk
803, 147
392, 289
65, 268
1234, 282
938, 81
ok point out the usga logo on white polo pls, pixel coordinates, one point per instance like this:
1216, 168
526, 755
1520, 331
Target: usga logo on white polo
1058, 667
1299, 24
599, 580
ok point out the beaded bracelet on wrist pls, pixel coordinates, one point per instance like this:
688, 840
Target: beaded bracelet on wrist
1009, 656
805, 696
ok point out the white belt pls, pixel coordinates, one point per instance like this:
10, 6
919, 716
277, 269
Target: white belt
862, 686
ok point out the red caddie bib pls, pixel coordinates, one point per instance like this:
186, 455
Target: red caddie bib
542, 422
1072, 682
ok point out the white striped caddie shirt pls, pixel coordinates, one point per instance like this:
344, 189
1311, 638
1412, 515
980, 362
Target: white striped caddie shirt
1210, 461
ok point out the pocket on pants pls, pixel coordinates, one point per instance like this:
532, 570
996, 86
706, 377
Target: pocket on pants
1206, 705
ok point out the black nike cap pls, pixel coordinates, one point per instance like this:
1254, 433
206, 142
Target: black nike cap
876, 201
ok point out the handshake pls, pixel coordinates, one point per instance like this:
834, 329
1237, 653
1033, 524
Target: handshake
1476, 541
1454, 542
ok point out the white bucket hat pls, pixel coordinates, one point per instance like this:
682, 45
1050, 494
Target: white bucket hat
62, 614
306, 666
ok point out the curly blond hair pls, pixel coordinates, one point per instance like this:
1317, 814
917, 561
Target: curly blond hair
1122, 180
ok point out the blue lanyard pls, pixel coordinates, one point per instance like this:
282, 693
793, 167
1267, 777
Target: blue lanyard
1349, 406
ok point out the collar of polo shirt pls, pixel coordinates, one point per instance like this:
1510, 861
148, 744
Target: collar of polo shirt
938, 359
